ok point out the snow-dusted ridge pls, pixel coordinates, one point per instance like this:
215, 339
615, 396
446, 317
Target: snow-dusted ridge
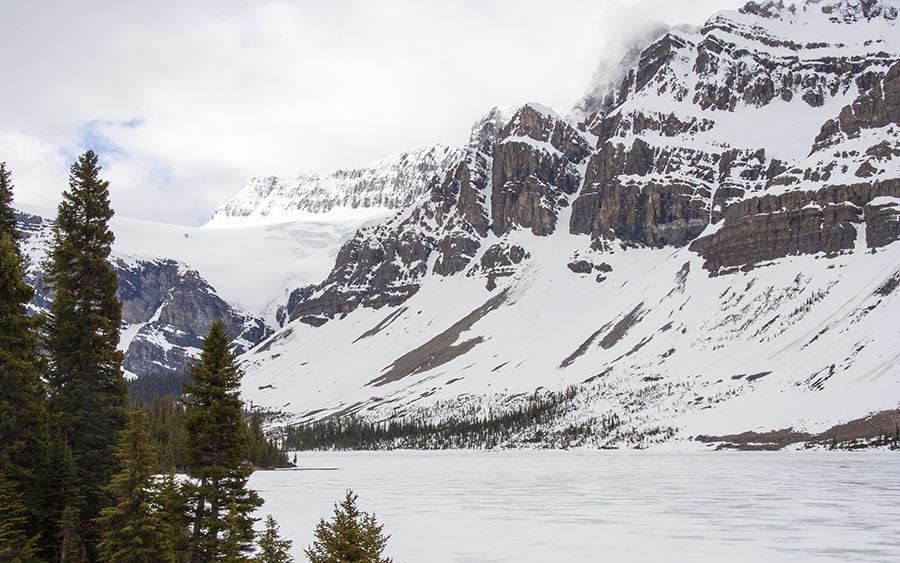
363, 193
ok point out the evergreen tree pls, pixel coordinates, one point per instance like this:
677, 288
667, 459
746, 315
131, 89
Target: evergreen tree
237, 539
72, 549
57, 488
22, 414
7, 215
23, 421
262, 451
16, 542
87, 389
173, 508
272, 548
216, 449
350, 537
134, 529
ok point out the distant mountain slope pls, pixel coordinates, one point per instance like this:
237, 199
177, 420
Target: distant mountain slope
367, 191
712, 250
167, 306
174, 280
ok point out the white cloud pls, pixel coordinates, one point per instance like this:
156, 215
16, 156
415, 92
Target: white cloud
187, 100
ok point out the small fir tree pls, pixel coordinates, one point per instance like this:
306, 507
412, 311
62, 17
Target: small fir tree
216, 450
272, 547
350, 537
173, 508
237, 539
134, 529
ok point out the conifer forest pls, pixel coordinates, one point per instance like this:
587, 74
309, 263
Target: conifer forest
89, 473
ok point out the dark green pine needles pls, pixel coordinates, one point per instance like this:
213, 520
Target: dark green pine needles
23, 417
350, 537
7, 214
87, 390
216, 449
135, 528
272, 547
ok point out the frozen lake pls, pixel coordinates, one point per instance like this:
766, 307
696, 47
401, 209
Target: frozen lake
591, 506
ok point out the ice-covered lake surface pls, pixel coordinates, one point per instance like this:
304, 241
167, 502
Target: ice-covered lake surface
591, 506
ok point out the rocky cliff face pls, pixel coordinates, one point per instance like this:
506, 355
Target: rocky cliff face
537, 163
846, 193
512, 175
382, 265
679, 143
702, 127
167, 307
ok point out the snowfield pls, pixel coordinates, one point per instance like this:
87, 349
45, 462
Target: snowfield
253, 267
588, 506
658, 342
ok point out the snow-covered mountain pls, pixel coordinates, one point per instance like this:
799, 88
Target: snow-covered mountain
368, 191
274, 236
713, 250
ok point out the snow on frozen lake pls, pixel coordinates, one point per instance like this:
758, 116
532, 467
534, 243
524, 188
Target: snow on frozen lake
590, 506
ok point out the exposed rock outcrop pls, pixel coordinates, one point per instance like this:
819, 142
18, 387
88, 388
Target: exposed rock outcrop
535, 166
382, 265
167, 307
172, 308
678, 141
802, 222
666, 164
848, 186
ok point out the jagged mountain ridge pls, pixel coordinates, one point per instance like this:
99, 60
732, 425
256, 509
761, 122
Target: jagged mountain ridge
387, 184
639, 255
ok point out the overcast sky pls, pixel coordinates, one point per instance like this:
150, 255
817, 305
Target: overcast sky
185, 101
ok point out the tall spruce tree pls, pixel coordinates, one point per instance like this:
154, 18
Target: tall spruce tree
216, 449
7, 214
23, 428
87, 388
23, 421
21, 390
134, 529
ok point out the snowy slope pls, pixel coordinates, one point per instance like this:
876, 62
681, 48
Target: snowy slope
815, 324
252, 268
712, 251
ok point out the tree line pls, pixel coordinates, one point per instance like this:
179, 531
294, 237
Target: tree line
167, 434
528, 422
84, 476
